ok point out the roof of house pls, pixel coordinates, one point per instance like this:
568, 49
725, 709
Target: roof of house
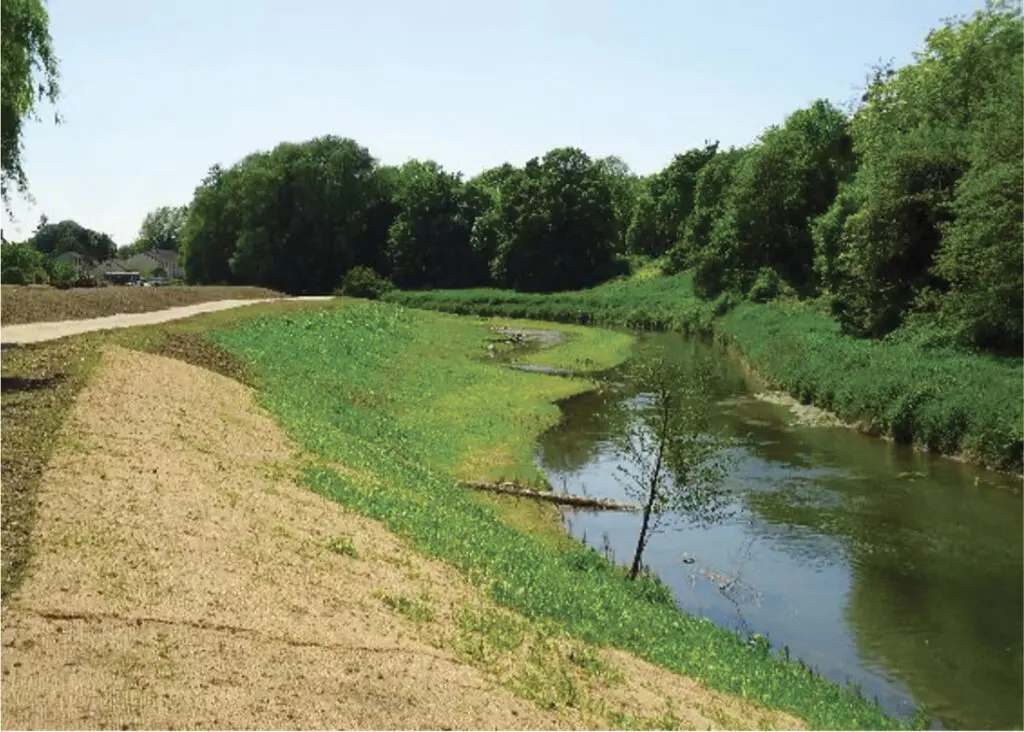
112, 265
71, 256
165, 256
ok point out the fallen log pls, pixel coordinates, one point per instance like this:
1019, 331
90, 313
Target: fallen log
564, 499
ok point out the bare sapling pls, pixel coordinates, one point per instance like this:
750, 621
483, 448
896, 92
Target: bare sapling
674, 463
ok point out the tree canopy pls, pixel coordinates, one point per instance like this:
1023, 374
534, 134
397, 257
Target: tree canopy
70, 236
161, 229
904, 214
29, 74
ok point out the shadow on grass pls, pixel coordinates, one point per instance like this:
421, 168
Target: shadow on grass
9, 384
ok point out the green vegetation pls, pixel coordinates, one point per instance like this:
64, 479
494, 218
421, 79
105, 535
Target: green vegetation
416, 610
364, 282
343, 545
29, 74
404, 397
674, 461
904, 215
942, 399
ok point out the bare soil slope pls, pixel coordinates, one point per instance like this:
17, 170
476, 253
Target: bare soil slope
182, 578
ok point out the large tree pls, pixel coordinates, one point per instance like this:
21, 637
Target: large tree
557, 225
665, 203
931, 230
790, 177
296, 218
70, 236
161, 229
28, 75
429, 242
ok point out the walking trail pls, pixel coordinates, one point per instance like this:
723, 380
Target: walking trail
38, 332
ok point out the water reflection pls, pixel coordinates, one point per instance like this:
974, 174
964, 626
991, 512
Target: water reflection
875, 564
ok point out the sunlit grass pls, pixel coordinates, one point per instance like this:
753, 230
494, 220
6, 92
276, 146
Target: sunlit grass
943, 401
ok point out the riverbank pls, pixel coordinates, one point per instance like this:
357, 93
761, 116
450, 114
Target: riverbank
401, 405
394, 407
145, 524
938, 400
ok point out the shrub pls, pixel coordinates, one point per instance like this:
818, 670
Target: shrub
364, 282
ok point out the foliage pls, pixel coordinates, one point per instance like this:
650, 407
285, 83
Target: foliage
935, 225
70, 236
667, 202
399, 398
294, 219
364, 282
944, 400
429, 241
791, 176
28, 75
161, 229
673, 463
62, 274
710, 188
624, 186
556, 225
22, 264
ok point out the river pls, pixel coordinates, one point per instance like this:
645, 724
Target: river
878, 566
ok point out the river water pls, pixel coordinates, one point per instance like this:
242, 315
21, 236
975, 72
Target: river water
876, 565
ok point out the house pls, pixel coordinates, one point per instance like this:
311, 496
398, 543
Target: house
149, 261
77, 260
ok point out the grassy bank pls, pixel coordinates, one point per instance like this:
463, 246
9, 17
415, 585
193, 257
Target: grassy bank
399, 404
944, 401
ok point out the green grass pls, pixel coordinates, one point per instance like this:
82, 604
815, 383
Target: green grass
941, 400
405, 396
416, 610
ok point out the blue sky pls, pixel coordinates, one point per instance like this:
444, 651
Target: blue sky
154, 93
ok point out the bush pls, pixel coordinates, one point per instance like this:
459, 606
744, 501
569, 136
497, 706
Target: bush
62, 274
364, 282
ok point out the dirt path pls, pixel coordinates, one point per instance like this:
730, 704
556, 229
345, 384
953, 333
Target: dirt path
37, 332
182, 578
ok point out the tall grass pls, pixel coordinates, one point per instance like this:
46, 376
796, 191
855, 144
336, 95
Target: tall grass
404, 401
944, 401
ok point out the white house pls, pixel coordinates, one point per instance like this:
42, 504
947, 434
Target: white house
162, 259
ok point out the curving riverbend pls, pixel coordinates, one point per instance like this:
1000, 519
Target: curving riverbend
886, 568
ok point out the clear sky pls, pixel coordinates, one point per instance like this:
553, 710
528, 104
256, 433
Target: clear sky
155, 92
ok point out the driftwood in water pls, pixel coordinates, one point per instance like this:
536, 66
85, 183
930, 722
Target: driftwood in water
511, 489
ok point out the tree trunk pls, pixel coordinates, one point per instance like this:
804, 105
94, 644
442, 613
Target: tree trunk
642, 541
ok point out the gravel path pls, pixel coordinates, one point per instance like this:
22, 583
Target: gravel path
38, 332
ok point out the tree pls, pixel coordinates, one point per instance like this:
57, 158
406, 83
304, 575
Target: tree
161, 229
557, 225
710, 195
70, 236
791, 176
29, 74
672, 462
930, 234
429, 241
625, 186
295, 218
665, 202
22, 264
